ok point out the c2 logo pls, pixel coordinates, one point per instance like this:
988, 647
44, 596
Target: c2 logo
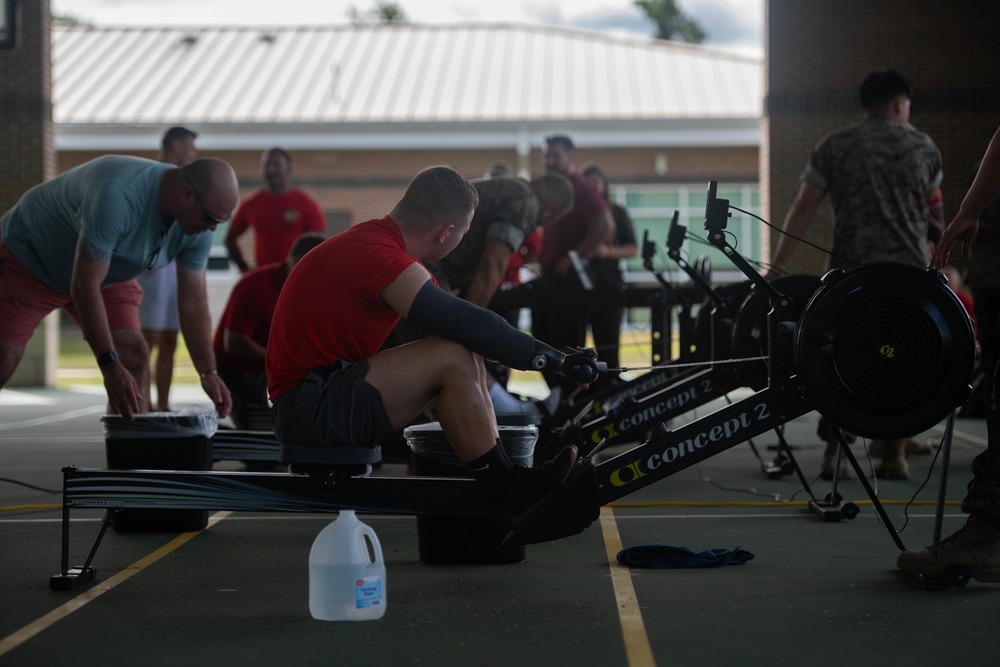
887, 351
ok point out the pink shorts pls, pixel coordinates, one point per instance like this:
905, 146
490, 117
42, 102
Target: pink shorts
25, 300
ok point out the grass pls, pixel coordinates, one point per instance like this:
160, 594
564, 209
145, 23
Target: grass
77, 366
76, 361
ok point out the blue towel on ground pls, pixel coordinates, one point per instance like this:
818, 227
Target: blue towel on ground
661, 556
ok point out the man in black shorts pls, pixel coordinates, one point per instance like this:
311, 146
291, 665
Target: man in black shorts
330, 384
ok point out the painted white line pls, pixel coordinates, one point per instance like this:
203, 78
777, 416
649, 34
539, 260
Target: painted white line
12, 397
51, 419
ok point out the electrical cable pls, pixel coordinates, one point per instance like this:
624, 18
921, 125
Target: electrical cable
782, 231
30, 486
17, 508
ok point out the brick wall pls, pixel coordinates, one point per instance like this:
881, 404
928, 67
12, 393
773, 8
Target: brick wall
817, 55
26, 105
366, 184
28, 158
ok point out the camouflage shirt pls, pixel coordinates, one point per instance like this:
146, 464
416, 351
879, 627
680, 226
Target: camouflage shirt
507, 212
879, 174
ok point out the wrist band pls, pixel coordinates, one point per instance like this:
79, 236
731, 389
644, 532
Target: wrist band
107, 358
210, 371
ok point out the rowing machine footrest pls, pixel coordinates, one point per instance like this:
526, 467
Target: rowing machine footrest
567, 513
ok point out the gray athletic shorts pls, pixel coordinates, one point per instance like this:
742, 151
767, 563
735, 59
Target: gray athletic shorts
333, 406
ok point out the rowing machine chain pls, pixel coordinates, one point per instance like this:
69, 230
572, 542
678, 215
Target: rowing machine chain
688, 365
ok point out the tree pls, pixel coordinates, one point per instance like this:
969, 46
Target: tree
671, 21
383, 12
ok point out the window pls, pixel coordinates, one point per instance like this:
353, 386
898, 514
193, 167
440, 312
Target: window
653, 206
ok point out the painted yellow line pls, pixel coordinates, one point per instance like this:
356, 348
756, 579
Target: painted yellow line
637, 648
11, 642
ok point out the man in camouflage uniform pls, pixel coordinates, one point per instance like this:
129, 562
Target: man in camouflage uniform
884, 178
509, 209
976, 545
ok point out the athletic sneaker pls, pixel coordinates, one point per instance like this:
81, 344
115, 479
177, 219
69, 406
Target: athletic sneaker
530, 487
975, 546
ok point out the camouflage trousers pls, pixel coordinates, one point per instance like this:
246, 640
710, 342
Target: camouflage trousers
983, 494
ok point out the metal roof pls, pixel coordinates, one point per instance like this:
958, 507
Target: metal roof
455, 76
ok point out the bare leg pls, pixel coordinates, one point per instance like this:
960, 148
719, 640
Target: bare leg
410, 376
10, 357
165, 368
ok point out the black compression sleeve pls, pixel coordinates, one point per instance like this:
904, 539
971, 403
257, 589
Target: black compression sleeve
482, 331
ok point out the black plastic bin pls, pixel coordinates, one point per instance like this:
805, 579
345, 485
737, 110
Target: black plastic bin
160, 441
464, 539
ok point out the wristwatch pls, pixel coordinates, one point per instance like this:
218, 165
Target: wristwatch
107, 358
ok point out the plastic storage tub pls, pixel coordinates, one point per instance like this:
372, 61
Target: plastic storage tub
160, 441
464, 539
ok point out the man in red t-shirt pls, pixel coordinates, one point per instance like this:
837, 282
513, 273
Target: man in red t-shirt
241, 338
330, 385
581, 230
278, 214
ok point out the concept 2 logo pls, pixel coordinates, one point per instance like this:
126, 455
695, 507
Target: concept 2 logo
724, 432
887, 351
651, 411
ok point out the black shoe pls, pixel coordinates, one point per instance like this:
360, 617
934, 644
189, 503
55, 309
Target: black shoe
530, 487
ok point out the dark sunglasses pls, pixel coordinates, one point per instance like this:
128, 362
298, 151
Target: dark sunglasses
208, 216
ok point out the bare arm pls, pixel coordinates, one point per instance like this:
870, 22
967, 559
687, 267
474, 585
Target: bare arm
984, 189
935, 216
399, 294
89, 271
196, 325
623, 251
600, 228
242, 346
796, 222
489, 272
233, 248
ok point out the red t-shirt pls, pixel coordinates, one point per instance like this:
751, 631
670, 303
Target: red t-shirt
249, 312
277, 220
331, 308
565, 233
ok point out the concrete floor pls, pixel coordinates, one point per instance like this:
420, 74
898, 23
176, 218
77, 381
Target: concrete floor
816, 593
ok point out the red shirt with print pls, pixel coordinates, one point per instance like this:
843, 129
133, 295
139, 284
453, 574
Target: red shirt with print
277, 220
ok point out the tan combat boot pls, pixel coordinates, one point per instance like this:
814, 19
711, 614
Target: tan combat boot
975, 546
893, 464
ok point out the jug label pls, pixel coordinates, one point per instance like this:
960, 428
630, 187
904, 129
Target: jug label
368, 592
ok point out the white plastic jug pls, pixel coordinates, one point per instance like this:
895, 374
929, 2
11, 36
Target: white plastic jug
345, 584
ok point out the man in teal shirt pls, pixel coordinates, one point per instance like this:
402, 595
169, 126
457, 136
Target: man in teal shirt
78, 241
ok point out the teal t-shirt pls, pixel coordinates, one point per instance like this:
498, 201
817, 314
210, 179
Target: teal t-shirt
112, 201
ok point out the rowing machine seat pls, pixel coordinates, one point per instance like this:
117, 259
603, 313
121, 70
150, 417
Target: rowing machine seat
330, 456
330, 467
